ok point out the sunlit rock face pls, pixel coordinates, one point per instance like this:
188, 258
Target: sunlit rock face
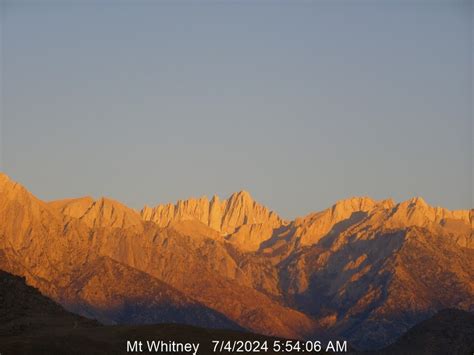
239, 219
362, 269
223, 216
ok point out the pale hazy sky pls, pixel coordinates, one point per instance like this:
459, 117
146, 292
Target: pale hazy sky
301, 103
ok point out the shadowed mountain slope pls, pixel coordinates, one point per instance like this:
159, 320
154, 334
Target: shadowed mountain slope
450, 331
380, 270
23, 309
30, 323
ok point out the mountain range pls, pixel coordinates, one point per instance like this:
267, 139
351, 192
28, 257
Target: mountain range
361, 270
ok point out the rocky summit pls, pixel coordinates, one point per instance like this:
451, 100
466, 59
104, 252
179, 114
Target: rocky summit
361, 270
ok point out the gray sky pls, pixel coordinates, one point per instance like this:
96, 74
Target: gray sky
301, 103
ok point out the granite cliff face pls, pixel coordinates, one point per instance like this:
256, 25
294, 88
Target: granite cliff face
365, 270
384, 214
101, 213
312, 228
239, 219
224, 216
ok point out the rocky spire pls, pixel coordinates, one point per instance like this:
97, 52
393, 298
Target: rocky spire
223, 216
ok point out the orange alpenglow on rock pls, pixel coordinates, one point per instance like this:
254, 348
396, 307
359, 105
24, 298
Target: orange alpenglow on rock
352, 271
223, 216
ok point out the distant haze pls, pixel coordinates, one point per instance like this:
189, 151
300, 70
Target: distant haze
301, 103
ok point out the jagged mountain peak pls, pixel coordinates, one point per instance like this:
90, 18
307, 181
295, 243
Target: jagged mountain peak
14, 196
384, 214
224, 216
311, 228
242, 195
416, 201
366, 203
353, 204
417, 212
11, 187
